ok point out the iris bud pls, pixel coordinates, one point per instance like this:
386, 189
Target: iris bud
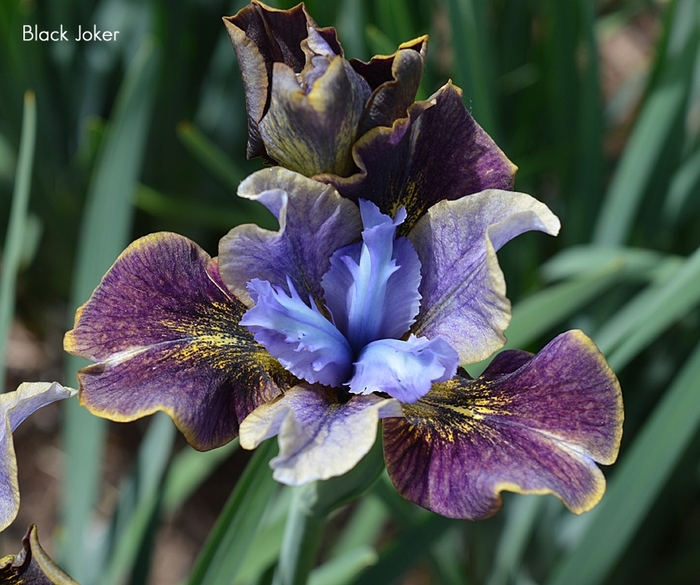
308, 105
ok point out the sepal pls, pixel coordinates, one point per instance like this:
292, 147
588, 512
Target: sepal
532, 425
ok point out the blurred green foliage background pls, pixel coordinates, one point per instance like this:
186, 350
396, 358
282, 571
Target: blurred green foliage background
597, 102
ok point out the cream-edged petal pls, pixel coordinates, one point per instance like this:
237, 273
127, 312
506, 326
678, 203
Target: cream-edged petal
32, 566
165, 335
314, 132
320, 435
16, 407
529, 424
463, 290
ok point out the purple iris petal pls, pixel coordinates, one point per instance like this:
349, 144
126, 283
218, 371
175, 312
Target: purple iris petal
403, 369
438, 152
15, 407
321, 434
314, 222
262, 37
395, 80
371, 288
298, 335
529, 424
314, 133
165, 335
462, 287
321, 55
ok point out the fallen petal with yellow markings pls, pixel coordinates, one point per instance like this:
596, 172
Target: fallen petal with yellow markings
165, 335
532, 425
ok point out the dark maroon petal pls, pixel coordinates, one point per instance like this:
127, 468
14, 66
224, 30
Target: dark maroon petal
535, 426
379, 70
395, 80
262, 36
439, 152
166, 336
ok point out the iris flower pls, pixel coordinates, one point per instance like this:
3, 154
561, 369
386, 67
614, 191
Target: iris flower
381, 280
317, 331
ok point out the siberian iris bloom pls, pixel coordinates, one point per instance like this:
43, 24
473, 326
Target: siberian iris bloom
319, 330
381, 280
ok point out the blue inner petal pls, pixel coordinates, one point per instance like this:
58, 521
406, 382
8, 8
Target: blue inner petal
403, 369
298, 335
371, 288
371, 292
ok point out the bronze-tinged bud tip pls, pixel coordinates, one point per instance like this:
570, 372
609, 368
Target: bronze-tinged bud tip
307, 105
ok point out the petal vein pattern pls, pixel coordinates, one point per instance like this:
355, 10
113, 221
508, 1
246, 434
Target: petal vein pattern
298, 335
462, 287
416, 163
314, 221
403, 369
165, 335
368, 279
528, 424
371, 293
320, 435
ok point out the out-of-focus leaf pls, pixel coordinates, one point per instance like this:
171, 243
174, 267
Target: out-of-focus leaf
15, 238
378, 42
365, 525
8, 160
139, 499
210, 155
104, 234
185, 210
636, 482
685, 184
342, 569
188, 470
474, 59
521, 517
629, 262
649, 313
267, 542
585, 188
405, 550
652, 130
223, 553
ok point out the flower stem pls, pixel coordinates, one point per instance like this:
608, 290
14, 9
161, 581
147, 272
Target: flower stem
302, 535
310, 506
